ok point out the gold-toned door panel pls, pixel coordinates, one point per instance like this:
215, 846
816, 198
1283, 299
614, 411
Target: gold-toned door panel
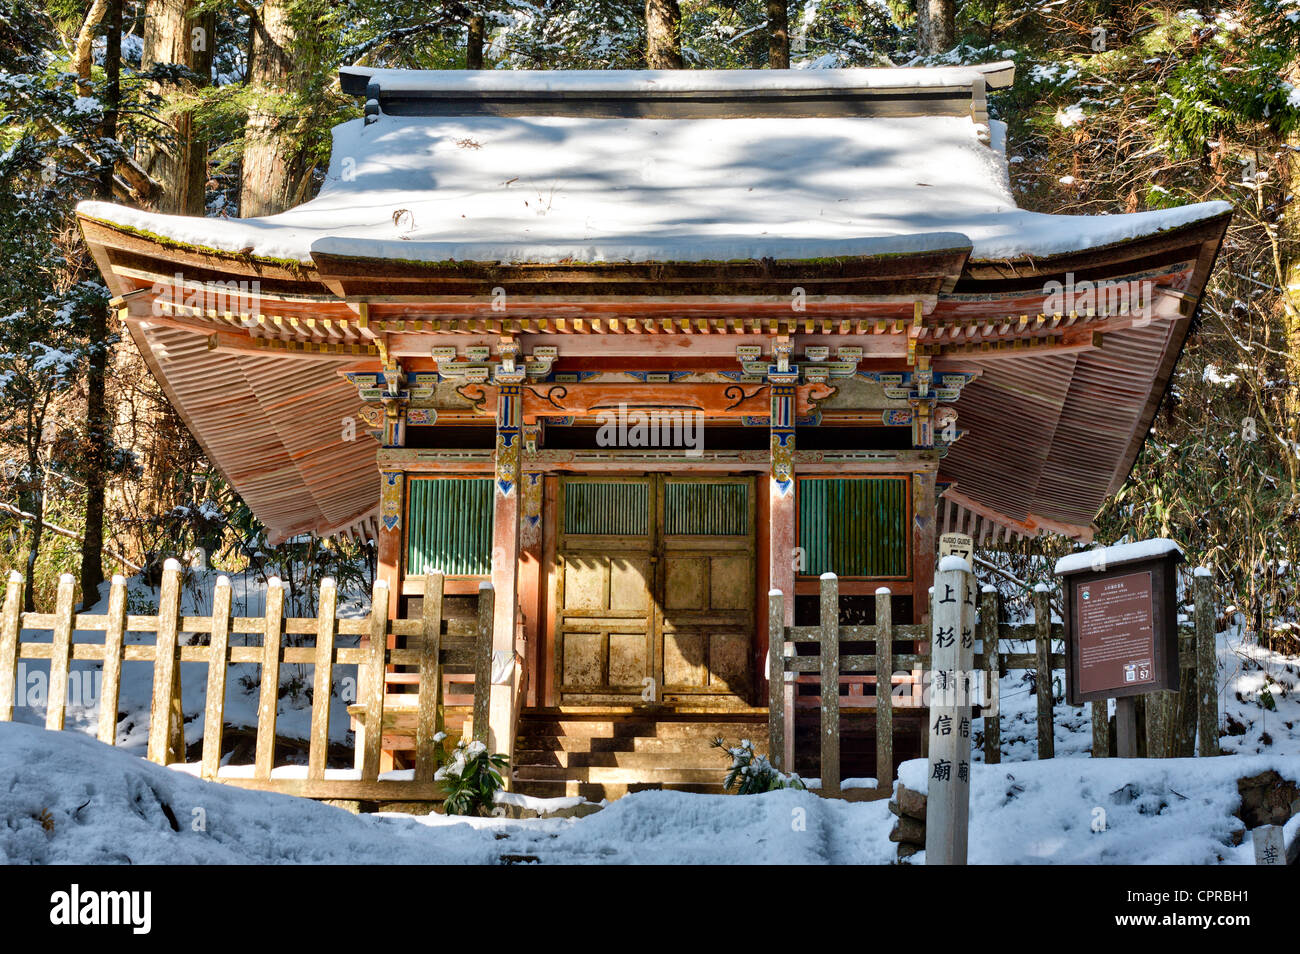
672, 612
707, 623
605, 622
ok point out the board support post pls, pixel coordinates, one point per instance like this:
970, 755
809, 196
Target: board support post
1126, 727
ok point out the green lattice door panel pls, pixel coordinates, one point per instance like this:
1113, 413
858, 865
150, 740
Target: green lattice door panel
854, 527
449, 526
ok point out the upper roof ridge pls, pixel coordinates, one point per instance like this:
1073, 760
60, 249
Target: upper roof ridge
679, 94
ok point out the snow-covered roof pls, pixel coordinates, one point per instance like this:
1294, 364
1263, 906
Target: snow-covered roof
568, 188
1099, 558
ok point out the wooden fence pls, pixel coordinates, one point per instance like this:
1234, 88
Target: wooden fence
433, 649
1171, 718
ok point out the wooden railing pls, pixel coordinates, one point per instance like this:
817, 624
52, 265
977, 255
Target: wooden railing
438, 648
1171, 718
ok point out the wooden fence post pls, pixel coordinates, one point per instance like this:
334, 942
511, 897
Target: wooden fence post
1182, 724
483, 661
1140, 721
372, 678
951, 654
114, 643
60, 654
166, 669
884, 690
11, 624
1159, 714
322, 679
830, 684
428, 723
1043, 678
214, 714
268, 702
992, 674
1207, 667
776, 680
1100, 729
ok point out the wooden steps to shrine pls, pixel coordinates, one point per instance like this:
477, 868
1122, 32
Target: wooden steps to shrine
607, 753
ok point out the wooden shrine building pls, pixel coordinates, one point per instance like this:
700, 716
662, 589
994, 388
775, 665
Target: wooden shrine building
638, 347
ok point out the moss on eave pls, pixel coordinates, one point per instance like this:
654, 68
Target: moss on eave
466, 264
289, 264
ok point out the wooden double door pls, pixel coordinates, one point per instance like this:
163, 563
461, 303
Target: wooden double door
655, 590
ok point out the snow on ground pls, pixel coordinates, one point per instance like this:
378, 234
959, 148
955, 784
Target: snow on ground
1109, 811
1258, 702
1259, 707
71, 800
248, 598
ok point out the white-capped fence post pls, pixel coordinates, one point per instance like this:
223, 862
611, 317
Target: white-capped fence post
951, 657
830, 684
776, 727
884, 690
1207, 672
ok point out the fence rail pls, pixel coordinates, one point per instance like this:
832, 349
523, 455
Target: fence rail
437, 646
1171, 717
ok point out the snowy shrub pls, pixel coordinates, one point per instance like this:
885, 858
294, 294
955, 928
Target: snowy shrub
471, 779
751, 773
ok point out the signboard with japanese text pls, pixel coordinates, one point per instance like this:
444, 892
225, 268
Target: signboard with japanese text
1121, 629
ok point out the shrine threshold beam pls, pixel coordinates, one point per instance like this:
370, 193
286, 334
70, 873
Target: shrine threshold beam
626, 345
413, 460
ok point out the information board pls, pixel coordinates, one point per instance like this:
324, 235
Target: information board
1116, 643
1121, 634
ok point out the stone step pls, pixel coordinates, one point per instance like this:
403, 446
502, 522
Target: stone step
621, 776
596, 791
732, 732
712, 760
566, 743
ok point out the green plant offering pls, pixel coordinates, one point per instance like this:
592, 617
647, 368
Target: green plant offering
752, 774
471, 779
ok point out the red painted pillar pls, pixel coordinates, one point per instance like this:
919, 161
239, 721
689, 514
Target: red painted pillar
506, 516
392, 486
781, 497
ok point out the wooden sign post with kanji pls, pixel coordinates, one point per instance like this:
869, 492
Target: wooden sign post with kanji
952, 647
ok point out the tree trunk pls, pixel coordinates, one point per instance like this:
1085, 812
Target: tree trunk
272, 167
33, 551
98, 435
778, 35
936, 25
84, 44
474, 46
175, 33
35, 494
1286, 263
663, 40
